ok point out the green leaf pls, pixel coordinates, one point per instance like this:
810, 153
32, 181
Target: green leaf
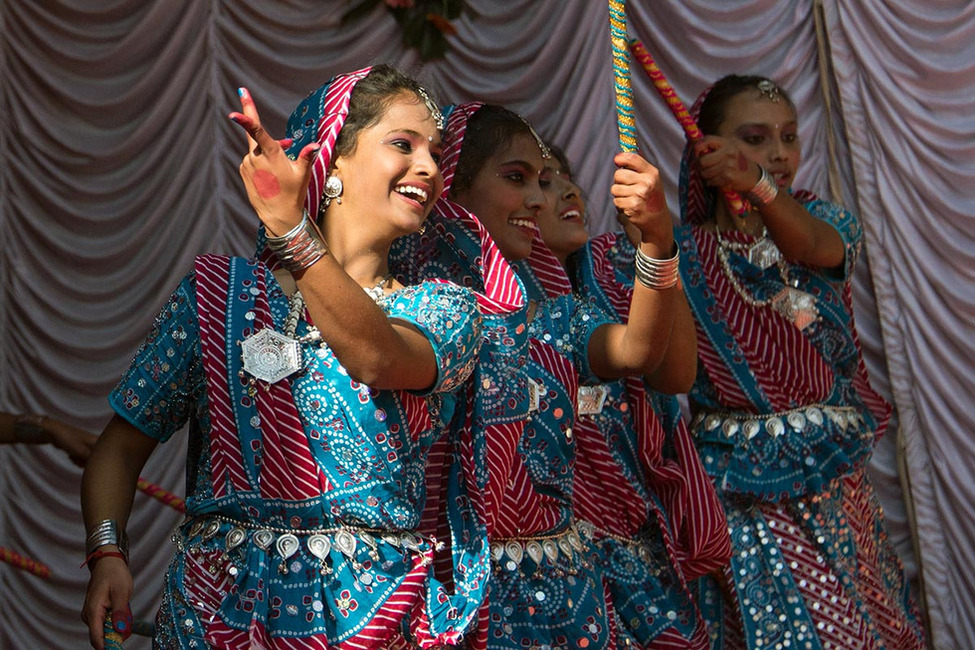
434, 45
358, 11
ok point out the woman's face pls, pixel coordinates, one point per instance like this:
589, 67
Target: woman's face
562, 224
507, 197
392, 178
766, 131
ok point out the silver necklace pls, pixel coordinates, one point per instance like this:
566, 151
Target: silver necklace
378, 291
271, 356
793, 304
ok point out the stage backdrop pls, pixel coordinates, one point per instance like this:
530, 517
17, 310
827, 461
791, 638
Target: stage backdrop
118, 165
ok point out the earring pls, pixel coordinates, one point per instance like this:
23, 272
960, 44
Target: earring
333, 190
423, 228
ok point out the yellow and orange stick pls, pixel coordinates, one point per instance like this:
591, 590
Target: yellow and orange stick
21, 562
621, 76
735, 202
162, 495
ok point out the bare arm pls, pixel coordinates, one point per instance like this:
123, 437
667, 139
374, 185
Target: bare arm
32, 429
640, 346
799, 236
107, 492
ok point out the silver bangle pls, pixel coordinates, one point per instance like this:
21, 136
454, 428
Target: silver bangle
29, 429
300, 247
104, 533
765, 190
657, 274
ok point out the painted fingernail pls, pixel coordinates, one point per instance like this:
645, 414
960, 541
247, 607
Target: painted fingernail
242, 92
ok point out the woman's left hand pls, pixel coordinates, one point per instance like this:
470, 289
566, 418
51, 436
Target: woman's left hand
723, 165
638, 195
276, 185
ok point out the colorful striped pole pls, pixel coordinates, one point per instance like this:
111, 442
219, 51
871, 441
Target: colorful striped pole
735, 201
161, 495
621, 76
21, 562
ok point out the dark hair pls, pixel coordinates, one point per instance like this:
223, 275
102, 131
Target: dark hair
371, 98
489, 130
715, 106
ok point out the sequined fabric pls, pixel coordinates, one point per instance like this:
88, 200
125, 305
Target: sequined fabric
639, 479
316, 452
785, 420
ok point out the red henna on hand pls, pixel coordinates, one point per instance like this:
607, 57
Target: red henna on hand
266, 184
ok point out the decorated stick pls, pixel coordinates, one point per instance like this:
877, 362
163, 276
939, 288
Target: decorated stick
693, 132
32, 566
162, 495
621, 75
113, 640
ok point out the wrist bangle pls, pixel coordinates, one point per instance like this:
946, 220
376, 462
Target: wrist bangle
300, 247
765, 190
104, 533
94, 556
657, 274
29, 429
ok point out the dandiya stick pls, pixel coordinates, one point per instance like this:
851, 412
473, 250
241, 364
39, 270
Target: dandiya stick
693, 132
162, 495
21, 562
621, 76
113, 640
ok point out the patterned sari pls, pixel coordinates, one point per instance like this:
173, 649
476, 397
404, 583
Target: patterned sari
658, 522
785, 420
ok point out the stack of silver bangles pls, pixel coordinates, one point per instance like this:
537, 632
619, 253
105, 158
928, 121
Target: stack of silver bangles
104, 533
657, 274
300, 247
765, 190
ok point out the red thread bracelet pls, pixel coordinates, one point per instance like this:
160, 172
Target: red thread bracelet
97, 555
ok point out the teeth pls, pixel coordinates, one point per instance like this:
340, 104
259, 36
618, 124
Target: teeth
407, 190
521, 223
571, 214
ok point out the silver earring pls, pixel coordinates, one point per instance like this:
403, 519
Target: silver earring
333, 190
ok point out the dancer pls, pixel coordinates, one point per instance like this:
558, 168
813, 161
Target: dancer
545, 589
309, 427
639, 481
783, 413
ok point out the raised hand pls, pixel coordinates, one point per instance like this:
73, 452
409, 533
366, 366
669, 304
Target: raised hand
638, 195
275, 184
723, 165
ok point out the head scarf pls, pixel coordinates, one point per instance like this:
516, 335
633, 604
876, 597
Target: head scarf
697, 200
318, 118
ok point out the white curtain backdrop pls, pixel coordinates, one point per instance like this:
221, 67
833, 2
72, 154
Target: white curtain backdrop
118, 165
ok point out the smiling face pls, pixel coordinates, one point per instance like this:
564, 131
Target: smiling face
392, 177
506, 196
767, 132
562, 224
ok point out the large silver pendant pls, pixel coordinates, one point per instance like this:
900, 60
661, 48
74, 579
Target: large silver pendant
270, 356
796, 306
764, 253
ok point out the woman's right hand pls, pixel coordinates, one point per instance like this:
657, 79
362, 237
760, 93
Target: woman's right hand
276, 185
109, 592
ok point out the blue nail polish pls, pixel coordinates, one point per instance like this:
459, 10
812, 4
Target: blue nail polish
240, 92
